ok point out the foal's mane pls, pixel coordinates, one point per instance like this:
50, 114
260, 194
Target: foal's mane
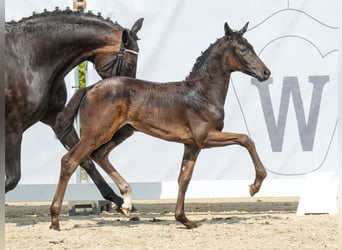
62, 13
202, 59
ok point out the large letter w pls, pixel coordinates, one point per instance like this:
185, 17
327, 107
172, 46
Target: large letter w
291, 87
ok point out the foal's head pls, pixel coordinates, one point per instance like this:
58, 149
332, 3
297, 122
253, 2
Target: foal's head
108, 63
240, 55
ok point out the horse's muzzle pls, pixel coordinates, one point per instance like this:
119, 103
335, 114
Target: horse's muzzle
264, 75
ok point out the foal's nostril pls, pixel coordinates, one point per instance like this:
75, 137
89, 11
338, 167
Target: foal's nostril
267, 73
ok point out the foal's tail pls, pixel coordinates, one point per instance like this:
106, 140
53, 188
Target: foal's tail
65, 119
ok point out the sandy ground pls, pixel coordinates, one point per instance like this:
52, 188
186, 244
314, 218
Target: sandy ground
254, 223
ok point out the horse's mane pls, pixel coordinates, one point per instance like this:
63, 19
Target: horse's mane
66, 12
202, 58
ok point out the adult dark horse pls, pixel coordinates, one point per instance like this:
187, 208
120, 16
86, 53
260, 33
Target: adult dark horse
40, 51
190, 112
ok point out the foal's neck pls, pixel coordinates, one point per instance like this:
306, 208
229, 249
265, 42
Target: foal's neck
211, 76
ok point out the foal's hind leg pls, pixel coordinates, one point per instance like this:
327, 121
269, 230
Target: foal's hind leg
69, 164
218, 139
101, 157
91, 139
189, 159
107, 192
56, 105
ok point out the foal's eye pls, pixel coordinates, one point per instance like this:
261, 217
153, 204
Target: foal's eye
243, 50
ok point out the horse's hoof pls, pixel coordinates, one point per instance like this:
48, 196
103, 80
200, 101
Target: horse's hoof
119, 210
252, 191
134, 209
55, 227
126, 211
190, 225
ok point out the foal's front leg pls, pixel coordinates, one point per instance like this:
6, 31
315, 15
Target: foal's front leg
218, 139
189, 159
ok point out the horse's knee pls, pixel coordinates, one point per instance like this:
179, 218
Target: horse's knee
246, 141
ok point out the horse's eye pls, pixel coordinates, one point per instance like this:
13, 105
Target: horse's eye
243, 50
130, 66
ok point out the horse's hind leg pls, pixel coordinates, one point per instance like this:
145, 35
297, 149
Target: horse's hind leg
101, 157
189, 159
12, 159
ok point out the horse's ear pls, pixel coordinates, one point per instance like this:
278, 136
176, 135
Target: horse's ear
227, 30
137, 25
244, 29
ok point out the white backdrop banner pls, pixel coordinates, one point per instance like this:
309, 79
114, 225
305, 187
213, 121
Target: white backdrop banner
292, 117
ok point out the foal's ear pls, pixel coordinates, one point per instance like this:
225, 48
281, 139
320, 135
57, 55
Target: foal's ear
137, 25
244, 29
227, 30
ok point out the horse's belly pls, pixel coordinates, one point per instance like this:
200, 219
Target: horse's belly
168, 131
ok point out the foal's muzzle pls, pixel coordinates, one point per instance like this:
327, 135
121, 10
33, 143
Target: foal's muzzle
262, 75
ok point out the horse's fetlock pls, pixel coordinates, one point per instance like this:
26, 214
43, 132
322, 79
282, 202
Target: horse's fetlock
180, 217
128, 189
54, 209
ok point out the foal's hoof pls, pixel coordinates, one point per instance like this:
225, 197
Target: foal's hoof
252, 190
190, 225
55, 227
126, 211
119, 210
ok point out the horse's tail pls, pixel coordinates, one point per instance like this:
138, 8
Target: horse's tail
65, 119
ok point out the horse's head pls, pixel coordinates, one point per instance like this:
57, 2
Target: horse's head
240, 55
122, 62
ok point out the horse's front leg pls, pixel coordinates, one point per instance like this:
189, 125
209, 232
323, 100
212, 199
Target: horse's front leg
219, 139
189, 159
12, 159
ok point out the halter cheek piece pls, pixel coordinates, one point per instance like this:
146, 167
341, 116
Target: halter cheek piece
116, 62
120, 58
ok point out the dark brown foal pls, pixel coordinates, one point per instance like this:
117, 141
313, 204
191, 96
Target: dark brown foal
190, 112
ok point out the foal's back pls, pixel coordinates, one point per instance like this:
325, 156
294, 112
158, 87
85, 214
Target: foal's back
166, 110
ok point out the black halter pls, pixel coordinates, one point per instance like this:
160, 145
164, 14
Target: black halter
119, 59
116, 62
